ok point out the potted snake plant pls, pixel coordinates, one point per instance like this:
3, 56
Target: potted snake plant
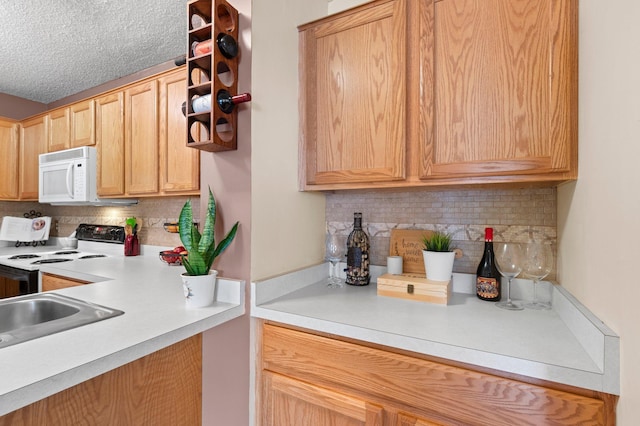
199, 279
438, 254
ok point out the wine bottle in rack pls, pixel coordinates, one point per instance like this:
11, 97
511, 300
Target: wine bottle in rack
227, 45
488, 278
227, 103
357, 254
201, 47
212, 75
201, 103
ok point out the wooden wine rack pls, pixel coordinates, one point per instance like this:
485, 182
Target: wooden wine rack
211, 130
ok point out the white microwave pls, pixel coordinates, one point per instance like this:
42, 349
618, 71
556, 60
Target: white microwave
69, 177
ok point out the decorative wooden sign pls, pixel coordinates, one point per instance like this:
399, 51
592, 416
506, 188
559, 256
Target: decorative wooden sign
408, 244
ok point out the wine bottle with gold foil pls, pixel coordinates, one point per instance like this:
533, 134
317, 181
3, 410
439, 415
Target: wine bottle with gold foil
357, 254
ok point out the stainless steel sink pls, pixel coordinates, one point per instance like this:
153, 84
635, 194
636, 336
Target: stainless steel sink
37, 315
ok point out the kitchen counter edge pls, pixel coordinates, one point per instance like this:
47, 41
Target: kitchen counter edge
600, 342
111, 288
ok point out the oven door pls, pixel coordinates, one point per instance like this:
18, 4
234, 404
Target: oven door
17, 282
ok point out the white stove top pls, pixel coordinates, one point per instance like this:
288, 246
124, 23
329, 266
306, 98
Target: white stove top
94, 242
31, 261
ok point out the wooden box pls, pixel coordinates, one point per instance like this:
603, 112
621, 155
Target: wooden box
414, 287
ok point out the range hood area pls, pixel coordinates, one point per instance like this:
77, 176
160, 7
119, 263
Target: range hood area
99, 202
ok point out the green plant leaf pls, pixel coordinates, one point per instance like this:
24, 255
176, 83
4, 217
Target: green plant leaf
208, 232
439, 241
197, 263
226, 241
185, 226
201, 248
187, 266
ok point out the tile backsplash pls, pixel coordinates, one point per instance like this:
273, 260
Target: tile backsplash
515, 214
153, 213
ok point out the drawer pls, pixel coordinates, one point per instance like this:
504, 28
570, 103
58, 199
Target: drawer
429, 388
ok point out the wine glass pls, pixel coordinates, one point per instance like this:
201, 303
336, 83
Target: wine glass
334, 252
537, 265
509, 263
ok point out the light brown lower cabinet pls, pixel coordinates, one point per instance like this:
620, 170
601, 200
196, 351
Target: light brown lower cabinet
56, 282
163, 388
9, 287
313, 379
293, 402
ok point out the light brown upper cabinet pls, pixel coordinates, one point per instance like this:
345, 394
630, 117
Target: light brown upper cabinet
33, 142
179, 165
505, 89
83, 123
110, 144
489, 95
141, 138
71, 127
353, 85
59, 125
139, 134
9, 152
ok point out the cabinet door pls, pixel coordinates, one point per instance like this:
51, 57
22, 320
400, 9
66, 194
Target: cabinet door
179, 164
9, 288
59, 126
289, 402
409, 420
425, 389
353, 114
151, 390
56, 282
83, 123
9, 157
110, 144
141, 138
505, 89
33, 142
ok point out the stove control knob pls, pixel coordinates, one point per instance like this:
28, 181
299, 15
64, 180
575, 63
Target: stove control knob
117, 234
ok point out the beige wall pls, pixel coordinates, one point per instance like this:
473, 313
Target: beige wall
336, 6
18, 108
598, 215
226, 349
288, 226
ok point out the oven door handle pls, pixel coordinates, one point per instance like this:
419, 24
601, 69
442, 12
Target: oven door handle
70, 180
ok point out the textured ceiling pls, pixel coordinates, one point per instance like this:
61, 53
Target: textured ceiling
56, 48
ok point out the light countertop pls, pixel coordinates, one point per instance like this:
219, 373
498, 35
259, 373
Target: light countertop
150, 294
567, 344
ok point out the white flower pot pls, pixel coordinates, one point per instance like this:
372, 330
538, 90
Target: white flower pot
439, 265
199, 290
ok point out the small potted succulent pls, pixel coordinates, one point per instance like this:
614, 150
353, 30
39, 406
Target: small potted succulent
438, 254
199, 280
